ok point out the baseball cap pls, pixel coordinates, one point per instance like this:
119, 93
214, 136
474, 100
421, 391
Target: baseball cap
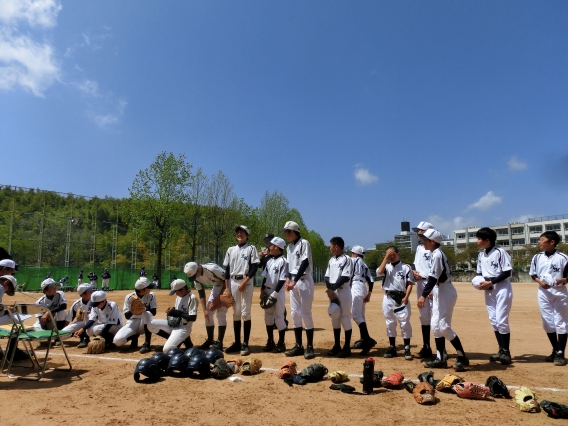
7, 263
47, 283
142, 283
190, 269
243, 227
291, 226
176, 285
477, 280
432, 234
10, 278
278, 242
97, 297
358, 250
83, 288
423, 226
269, 236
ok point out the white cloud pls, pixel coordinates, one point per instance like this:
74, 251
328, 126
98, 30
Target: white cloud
485, 202
42, 13
89, 88
363, 176
111, 119
516, 164
447, 226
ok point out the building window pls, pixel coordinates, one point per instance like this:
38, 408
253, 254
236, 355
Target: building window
504, 243
472, 235
553, 227
519, 242
535, 228
502, 232
534, 241
517, 231
461, 236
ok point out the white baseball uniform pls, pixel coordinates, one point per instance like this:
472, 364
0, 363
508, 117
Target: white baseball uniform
57, 300
397, 277
178, 334
276, 270
5, 314
135, 324
302, 295
109, 315
239, 260
498, 299
341, 266
72, 327
422, 265
212, 274
553, 301
361, 276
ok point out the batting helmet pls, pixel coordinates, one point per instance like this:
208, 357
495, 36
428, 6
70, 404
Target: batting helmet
162, 360
178, 362
174, 351
199, 364
192, 351
213, 355
149, 368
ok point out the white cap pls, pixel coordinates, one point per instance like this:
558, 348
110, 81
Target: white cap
278, 242
142, 283
243, 227
334, 311
47, 283
176, 285
291, 226
477, 280
423, 226
97, 297
10, 278
432, 234
7, 263
358, 250
548, 279
190, 269
83, 288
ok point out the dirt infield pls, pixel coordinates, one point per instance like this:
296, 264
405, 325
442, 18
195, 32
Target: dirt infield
100, 389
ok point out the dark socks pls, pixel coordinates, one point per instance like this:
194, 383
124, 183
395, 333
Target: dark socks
392, 341
363, 330
337, 337
210, 330
298, 335
348, 334
310, 336
440, 347
188, 343
553, 341
270, 332
426, 335
456, 343
562, 342
281, 336
147, 335
406, 343
247, 331
498, 337
163, 334
221, 332
237, 330
505, 341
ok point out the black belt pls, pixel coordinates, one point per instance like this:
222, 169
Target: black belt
238, 277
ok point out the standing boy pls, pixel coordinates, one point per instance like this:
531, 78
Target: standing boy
494, 265
106, 280
549, 269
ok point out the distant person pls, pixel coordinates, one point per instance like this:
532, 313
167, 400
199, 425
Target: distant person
47, 276
155, 280
80, 278
106, 280
93, 279
143, 272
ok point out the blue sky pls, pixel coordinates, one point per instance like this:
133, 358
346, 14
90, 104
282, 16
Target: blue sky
362, 113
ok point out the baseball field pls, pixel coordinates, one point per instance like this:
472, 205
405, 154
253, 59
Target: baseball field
100, 389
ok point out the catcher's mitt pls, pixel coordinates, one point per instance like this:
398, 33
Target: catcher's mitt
137, 307
424, 393
221, 370
267, 302
526, 400
288, 369
215, 303
449, 380
554, 409
227, 299
427, 377
343, 388
96, 345
393, 381
338, 376
252, 366
80, 315
313, 372
469, 390
497, 388
173, 321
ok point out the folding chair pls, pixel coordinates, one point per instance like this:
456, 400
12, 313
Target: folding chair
49, 336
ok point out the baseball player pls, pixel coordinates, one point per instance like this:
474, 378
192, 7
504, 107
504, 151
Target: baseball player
155, 280
361, 296
494, 265
138, 324
422, 265
7, 285
185, 309
300, 284
106, 280
143, 272
397, 285
264, 255
53, 300
442, 304
213, 275
338, 282
549, 269
79, 312
93, 279
241, 263
7, 266
104, 319
274, 278
80, 278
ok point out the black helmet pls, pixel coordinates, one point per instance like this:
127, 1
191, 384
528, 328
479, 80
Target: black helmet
149, 368
162, 360
178, 362
174, 351
199, 364
213, 355
194, 352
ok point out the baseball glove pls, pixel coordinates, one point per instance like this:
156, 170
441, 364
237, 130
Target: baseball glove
313, 372
221, 369
449, 380
252, 366
96, 345
227, 299
469, 390
338, 376
137, 307
288, 369
173, 321
526, 400
497, 388
393, 381
554, 409
267, 302
296, 380
427, 377
80, 315
424, 393
215, 303
343, 388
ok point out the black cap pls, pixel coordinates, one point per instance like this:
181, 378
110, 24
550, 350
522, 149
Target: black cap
268, 236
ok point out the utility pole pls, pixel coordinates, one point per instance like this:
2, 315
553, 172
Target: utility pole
41, 234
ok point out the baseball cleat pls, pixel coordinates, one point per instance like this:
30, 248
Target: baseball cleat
435, 363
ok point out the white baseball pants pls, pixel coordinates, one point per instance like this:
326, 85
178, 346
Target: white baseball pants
498, 302
134, 326
402, 317
96, 330
275, 315
301, 300
220, 313
425, 313
358, 293
105, 282
553, 304
344, 295
442, 309
177, 334
74, 326
243, 300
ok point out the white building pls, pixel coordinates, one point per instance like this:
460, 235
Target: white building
517, 234
406, 238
